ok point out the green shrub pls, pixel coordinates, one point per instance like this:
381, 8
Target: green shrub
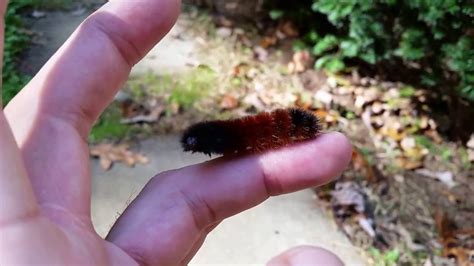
435, 37
15, 41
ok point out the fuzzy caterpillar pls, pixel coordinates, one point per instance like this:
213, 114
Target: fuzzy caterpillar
251, 134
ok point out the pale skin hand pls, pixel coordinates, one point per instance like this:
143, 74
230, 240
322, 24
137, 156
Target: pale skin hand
44, 163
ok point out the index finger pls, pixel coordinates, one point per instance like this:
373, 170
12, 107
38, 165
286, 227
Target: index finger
171, 215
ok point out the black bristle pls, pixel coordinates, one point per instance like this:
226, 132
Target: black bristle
305, 120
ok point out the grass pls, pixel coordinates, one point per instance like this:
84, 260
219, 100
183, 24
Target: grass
109, 126
387, 258
182, 90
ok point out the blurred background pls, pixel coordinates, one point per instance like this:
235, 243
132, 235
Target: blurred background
397, 77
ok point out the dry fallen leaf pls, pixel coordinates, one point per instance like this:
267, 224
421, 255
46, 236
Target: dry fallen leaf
224, 22
224, 32
470, 143
324, 97
445, 177
360, 162
110, 153
240, 69
268, 41
407, 163
349, 194
301, 61
457, 243
470, 146
151, 117
288, 28
229, 102
377, 108
392, 133
408, 143
367, 225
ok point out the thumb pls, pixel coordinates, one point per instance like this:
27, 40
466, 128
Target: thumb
305, 255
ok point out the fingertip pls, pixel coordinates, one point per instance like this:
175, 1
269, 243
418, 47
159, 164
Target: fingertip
306, 255
141, 24
341, 147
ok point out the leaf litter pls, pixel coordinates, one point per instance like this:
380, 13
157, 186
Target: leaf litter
109, 154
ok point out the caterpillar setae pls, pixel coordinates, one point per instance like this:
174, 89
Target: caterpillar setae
251, 134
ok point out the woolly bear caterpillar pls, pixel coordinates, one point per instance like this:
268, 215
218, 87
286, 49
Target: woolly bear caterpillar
251, 134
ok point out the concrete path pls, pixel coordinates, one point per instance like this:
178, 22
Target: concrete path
175, 53
252, 237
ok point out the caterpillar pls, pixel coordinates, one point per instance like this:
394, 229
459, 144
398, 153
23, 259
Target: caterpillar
251, 134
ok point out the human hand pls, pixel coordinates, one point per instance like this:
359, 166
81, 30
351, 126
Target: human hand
44, 161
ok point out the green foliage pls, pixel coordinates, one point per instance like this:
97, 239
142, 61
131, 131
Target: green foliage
388, 258
15, 41
109, 126
434, 35
193, 87
407, 91
276, 14
183, 90
50, 4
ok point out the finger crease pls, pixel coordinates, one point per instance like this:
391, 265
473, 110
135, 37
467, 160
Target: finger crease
202, 213
126, 48
272, 186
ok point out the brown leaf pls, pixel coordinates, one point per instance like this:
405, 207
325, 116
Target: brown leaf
457, 243
152, 117
301, 61
321, 113
377, 108
361, 163
434, 135
109, 154
392, 133
303, 101
229, 102
268, 41
240, 69
224, 22
289, 29
407, 163
105, 163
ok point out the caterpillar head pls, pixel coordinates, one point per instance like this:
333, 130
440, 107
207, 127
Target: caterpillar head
206, 137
